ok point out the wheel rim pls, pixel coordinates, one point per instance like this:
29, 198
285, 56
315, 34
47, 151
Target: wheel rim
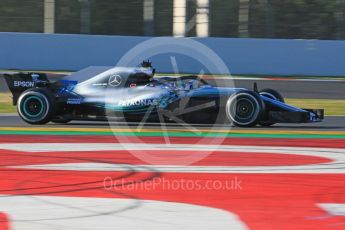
33, 106
243, 109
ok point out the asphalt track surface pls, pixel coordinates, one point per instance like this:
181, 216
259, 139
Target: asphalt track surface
308, 89
336, 123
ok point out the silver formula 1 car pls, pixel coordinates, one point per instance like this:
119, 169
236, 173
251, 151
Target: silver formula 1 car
134, 94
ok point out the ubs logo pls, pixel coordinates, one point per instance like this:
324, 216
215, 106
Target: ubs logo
114, 80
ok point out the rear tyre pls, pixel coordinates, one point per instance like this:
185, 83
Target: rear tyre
272, 94
35, 106
245, 109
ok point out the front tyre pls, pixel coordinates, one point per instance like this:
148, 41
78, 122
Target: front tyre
35, 106
274, 95
245, 108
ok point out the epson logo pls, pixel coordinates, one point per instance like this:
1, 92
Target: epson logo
26, 84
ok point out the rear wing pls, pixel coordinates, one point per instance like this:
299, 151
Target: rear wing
19, 82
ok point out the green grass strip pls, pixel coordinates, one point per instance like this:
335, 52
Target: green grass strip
331, 106
7, 108
172, 134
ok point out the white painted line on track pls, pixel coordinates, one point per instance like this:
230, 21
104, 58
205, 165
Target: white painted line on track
51, 213
335, 154
333, 209
8, 114
315, 168
81, 147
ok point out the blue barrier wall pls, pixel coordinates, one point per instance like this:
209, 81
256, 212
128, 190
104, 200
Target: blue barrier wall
241, 56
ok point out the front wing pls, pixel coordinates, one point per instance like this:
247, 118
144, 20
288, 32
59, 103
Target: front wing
280, 112
306, 116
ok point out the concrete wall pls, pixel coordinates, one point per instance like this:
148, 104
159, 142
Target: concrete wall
241, 56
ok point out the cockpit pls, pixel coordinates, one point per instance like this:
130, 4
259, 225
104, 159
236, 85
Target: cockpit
142, 75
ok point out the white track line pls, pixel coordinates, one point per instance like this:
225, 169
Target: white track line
333, 209
315, 168
336, 154
67, 147
51, 213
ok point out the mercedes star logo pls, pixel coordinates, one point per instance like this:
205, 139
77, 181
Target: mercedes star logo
114, 80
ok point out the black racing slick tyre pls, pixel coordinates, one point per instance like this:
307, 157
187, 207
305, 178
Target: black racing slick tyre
272, 94
35, 106
245, 108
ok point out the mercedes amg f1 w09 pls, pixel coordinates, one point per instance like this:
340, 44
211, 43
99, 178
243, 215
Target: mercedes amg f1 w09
134, 94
